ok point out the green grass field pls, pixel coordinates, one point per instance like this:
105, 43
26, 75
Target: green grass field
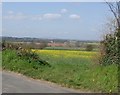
74, 69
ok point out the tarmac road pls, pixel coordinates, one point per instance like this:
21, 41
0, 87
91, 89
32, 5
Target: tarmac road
17, 83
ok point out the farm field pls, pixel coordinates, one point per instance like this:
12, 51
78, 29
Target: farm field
67, 53
77, 69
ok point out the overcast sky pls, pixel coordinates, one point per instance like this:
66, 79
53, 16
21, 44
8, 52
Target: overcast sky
81, 21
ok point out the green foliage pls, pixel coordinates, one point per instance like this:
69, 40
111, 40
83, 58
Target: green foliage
110, 50
13, 62
31, 56
89, 47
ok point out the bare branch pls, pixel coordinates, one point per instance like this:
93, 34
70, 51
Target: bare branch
115, 13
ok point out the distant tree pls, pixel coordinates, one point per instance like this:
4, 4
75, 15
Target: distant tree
42, 45
89, 47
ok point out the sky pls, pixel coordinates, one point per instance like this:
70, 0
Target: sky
62, 20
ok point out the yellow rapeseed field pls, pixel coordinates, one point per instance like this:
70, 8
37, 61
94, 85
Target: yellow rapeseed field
66, 53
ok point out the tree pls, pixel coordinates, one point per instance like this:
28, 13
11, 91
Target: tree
89, 47
111, 42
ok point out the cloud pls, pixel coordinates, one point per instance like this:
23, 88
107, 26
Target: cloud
20, 16
52, 16
74, 16
11, 15
64, 10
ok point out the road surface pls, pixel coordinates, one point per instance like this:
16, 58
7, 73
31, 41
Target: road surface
17, 83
